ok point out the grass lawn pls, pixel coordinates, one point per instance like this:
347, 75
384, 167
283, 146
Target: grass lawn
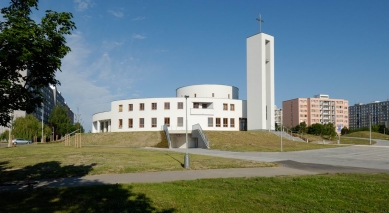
55, 161
319, 193
256, 141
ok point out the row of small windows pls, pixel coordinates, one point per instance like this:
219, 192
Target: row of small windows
180, 122
180, 105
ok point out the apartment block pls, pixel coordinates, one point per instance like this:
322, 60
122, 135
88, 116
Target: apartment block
319, 109
362, 114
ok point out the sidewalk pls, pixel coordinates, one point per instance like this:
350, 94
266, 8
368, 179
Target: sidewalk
157, 177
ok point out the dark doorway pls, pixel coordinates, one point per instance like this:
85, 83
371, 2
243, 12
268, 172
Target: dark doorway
242, 124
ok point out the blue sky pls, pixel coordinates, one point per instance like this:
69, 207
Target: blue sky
141, 49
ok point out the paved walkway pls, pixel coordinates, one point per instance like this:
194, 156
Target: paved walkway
351, 159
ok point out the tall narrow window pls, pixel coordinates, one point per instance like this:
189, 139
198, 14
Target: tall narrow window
213, 95
210, 122
167, 121
130, 107
217, 122
180, 105
153, 106
232, 122
167, 105
141, 122
228, 96
130, 123
195, 95
180, 121
141, 106
232, 107
153, 122
225, 106
120, 123
120, 108
225, 122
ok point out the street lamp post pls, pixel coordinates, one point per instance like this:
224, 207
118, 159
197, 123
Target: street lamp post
370, 126
282, 129
186, 158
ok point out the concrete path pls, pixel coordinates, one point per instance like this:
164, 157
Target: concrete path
351, 159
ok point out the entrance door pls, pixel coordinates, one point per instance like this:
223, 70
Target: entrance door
243, 124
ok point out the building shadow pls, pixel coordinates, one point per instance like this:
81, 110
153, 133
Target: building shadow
72, 195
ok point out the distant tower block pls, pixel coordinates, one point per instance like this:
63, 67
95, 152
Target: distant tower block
260, 82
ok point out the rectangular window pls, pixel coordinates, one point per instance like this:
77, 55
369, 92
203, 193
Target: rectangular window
130, 122
120, 108
120, 123
180, 121
225, 122
217, 122
232, 107
180, 105
141, 106
213, 95
195, 105
204, 106
232, 122
153, 106
210, 122
141, 122
167, 121
167, 105
153, 122
130, 107
225, 106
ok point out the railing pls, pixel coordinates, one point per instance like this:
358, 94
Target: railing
167, 135
201, 132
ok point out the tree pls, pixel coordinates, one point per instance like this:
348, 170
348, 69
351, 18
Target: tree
329, 129
26, 127
316, 129
60, 120
35, 48
303, 127
77, 126
344, 131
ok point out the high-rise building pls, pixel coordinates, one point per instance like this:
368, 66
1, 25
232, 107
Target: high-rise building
319, 109
361, 115
260, 82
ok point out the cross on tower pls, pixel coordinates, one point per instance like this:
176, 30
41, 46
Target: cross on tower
260, 23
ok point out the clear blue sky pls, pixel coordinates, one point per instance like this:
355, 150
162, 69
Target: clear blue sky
141, 49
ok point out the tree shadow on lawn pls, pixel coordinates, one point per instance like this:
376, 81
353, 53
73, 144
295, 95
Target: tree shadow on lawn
57, 196
45, 170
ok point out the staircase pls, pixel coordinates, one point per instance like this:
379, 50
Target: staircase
287, 136
197, 132
167, 135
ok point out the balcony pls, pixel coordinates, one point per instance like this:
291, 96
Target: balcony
199, 111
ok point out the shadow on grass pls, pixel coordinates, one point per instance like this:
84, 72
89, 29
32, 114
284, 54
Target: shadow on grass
103, 198
45, 170
182, 165
67, 194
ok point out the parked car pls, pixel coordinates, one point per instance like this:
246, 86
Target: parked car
20, 141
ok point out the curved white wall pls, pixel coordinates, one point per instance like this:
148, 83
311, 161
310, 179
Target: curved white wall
200, 110
208, 91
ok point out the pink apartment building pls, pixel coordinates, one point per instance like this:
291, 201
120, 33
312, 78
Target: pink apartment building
319, 109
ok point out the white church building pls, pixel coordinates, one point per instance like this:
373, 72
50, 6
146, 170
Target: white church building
209, 107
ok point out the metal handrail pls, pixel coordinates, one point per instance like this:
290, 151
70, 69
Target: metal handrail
167, 135
203, 136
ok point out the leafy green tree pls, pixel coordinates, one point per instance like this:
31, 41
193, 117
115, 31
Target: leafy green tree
26, 127
4, 135
315, 129
303, 127
344, 131
329, 130
33, 47
77, 126
60, 120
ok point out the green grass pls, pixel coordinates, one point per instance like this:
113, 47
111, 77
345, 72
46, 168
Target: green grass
366, 134
55, 161
255, 141
319, 193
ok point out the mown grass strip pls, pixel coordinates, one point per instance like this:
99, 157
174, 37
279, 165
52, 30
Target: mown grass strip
319, 193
